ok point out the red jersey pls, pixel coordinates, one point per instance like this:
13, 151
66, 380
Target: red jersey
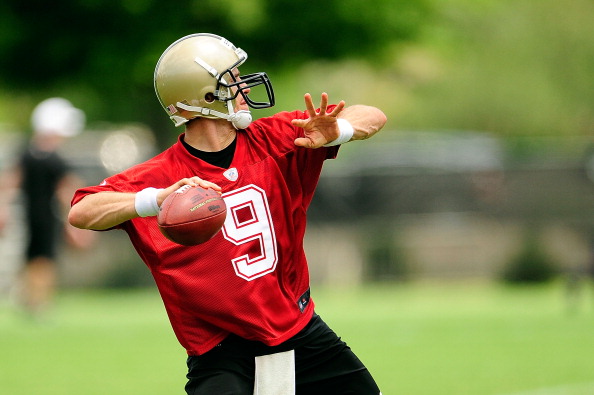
248, 279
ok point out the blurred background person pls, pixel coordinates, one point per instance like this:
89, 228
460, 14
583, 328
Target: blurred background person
44, 182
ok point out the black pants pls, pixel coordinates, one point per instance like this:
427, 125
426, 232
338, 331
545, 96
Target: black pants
324, 364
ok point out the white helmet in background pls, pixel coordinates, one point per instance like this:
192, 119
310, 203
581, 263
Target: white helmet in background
194, 78
57, 116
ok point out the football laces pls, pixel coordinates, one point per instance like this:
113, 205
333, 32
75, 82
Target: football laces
183, 189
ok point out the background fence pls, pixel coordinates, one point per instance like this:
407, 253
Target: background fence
412, 205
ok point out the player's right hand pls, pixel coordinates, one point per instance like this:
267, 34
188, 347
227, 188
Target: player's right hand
192, 181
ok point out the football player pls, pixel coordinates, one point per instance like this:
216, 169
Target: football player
239, 303
44, 181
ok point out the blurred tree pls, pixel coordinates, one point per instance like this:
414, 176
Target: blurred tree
532, 264
511, 67
296, 31
105, 50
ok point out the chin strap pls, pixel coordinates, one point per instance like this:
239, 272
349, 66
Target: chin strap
240, 119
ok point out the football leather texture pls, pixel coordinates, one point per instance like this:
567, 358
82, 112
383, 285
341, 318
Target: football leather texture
192, 215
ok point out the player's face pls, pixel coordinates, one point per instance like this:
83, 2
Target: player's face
240, 103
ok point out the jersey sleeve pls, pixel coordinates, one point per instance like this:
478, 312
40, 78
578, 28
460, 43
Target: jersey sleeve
281, 134
134, 179
301, 166
110, 184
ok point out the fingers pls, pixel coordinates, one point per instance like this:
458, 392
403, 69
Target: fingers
300, 123
302, 142
339, 107
195, 182
305, 142
311, 111
309, 107
191, 181
324, 103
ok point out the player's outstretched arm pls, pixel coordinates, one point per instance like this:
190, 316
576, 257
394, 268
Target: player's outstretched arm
323, 127
365, 120
104, 210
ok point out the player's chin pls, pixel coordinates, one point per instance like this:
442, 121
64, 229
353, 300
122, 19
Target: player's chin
241, 106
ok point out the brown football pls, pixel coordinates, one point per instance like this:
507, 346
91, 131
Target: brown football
192, 215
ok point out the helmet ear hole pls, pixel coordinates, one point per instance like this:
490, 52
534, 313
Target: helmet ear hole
209, 97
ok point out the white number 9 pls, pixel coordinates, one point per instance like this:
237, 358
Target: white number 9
249, 221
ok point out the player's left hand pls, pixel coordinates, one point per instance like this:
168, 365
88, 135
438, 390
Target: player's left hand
321, 127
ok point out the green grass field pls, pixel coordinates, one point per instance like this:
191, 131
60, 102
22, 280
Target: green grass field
416, 339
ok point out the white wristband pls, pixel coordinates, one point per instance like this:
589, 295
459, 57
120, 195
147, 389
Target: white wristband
346, 133
145, 202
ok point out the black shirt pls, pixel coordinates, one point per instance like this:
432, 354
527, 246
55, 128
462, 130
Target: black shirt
222, 158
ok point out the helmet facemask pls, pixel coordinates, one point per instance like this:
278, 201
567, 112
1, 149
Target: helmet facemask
264, 94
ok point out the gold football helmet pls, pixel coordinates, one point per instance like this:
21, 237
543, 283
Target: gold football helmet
194, 78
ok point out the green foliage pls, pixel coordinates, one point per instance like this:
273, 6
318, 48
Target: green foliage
531, 265
509, 67
385, 260
127, 274
297, 31
103, 53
